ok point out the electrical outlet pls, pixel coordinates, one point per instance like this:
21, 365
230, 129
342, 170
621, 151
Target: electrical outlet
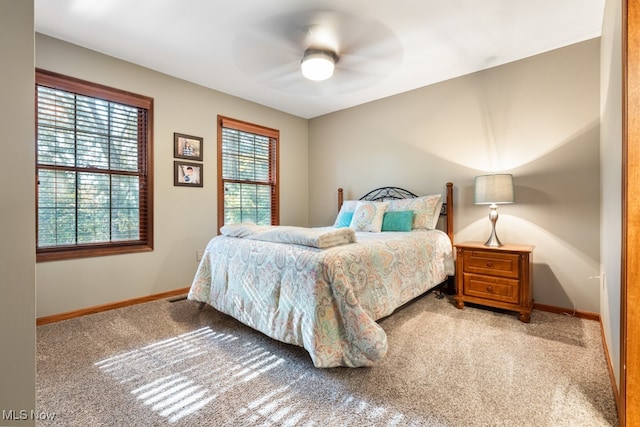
198, 255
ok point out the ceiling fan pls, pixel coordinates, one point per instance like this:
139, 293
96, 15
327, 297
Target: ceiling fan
363, 50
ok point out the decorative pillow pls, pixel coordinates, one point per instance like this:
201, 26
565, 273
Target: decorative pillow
397, 221
436, 215
368, 216
423, 207
348, 207
343, 220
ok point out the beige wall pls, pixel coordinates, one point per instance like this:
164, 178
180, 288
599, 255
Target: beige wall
611, 178
17, 255
185, 218
537, 118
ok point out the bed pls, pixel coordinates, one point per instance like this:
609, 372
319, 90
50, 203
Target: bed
324, 288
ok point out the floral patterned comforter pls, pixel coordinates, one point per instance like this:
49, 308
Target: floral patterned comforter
325, 300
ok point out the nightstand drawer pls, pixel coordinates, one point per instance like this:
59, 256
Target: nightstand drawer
493, 288
491, 263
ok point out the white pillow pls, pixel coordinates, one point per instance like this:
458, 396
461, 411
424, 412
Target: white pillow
425, 208
368, 216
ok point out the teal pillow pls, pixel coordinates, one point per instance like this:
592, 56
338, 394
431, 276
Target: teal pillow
344, 219
397, 221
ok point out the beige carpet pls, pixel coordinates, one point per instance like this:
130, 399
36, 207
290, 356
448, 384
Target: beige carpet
166, 363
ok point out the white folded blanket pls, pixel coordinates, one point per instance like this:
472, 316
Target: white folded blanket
318, 237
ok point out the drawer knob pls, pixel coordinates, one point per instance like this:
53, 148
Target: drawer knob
489, 288
489, 264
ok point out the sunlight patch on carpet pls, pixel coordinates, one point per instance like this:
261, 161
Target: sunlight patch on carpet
285, 407
173, 380
179, 376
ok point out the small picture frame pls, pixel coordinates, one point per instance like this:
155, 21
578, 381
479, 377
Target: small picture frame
187, 147
187, 174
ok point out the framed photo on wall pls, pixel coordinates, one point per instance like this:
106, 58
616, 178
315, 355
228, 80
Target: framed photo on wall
187, 147
187, 174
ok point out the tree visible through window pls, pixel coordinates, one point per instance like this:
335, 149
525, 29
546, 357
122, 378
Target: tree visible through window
93, 167
247, 173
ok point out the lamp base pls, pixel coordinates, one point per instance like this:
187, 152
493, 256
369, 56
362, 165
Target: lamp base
493, 240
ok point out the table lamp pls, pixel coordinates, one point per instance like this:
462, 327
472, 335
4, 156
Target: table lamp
494, 190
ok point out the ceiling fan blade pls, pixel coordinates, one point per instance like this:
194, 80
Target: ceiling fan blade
270, 50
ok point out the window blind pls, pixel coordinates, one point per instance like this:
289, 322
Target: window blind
248, 173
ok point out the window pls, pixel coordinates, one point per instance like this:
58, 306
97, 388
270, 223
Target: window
247, 173
93, 165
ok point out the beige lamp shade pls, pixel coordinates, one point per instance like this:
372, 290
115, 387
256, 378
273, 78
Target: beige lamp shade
490, 189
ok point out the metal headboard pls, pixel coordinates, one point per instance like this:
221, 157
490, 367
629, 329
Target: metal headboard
389, 193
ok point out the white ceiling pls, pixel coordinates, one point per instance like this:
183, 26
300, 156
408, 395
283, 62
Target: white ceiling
252, 48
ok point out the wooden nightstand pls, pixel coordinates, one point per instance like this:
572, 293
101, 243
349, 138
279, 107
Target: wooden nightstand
497, 277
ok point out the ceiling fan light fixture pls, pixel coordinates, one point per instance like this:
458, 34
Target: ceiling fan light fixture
318, 64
